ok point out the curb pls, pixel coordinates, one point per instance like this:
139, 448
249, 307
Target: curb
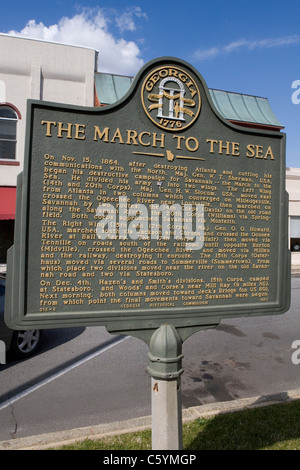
58, 439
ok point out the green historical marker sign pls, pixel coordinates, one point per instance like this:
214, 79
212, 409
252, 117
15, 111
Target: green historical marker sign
151, 211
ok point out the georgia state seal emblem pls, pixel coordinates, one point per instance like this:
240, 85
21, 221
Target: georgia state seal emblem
171, 98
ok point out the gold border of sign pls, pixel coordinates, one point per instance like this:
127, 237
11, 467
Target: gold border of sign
172, 129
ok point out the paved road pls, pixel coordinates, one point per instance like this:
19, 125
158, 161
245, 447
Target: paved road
85, 376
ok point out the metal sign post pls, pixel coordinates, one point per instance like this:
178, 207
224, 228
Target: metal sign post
165, 369
155, 217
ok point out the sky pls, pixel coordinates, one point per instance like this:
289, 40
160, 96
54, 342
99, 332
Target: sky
242, 46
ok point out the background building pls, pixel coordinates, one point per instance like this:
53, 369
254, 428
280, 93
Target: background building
293, 188
31, 69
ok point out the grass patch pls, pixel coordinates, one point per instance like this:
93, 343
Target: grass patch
275, 427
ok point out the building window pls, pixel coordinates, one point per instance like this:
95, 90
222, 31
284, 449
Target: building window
295, 234
8, 132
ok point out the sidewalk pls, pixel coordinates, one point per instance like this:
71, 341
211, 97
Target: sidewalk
58, 439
